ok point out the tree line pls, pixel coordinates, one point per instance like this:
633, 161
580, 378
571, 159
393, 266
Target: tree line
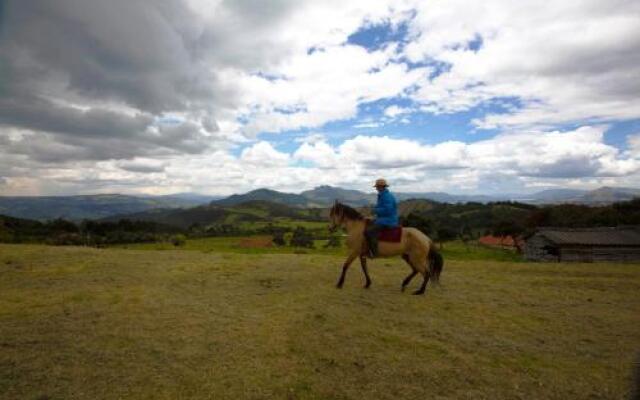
88, 232
468, 221
441, 221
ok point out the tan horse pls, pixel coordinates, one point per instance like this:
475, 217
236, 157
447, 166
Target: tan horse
414, 247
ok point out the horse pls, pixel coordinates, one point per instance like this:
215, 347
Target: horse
415, 248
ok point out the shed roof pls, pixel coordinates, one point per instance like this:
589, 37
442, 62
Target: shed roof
507, 241
626, 236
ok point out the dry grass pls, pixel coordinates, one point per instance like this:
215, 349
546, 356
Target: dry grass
81, 323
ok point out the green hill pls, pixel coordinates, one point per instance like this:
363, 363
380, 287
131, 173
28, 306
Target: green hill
215, 214
273, 196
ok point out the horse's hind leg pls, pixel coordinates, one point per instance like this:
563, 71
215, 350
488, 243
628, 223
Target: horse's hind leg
363, 263
421, 265
409, 277
423, 287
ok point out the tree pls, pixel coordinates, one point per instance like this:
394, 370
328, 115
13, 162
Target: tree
446, 234
334, 241
466, 235
419, 222
278, 238
505, 228
301, 238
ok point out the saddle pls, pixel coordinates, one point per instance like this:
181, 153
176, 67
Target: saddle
393, 235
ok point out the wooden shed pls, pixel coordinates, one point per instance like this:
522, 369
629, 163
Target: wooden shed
620, 244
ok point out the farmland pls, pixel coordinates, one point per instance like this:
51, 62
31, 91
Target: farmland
130, 323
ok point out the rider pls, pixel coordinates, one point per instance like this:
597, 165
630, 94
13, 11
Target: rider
386, 215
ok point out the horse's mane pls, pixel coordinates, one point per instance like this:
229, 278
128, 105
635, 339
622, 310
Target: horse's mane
346, 211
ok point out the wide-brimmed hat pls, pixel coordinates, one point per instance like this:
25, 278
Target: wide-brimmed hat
381, 182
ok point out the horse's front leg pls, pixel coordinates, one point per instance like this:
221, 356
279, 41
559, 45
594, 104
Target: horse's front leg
345, 267
363, 263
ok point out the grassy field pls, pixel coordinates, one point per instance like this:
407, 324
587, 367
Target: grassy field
81, 323
454, 250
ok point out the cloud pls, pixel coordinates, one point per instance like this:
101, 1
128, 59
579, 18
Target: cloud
311, 138
633, 142
144, 166
565, 62
394, 111
580, 153
263, 154
151, 96
324, 86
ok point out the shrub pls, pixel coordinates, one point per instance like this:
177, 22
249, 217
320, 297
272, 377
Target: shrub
278, 238
178, 240
301, 238
334, 241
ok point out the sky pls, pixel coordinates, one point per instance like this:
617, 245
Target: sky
221, 97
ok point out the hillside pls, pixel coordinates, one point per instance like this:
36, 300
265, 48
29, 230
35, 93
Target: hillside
216, 214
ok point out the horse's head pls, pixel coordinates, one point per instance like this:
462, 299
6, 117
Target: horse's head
340, 213
335, 217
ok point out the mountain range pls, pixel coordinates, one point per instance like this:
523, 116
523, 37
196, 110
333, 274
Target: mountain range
92, 206
109, 205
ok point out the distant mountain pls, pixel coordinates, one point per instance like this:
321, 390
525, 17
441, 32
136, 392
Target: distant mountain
193, 199
607, 195
600, 196
290, 199
85, 207
443, 197
552, 196
107, 205
326, 195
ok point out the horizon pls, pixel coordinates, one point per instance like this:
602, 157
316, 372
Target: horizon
487, 99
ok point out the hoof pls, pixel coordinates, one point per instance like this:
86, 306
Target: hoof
418, 292
367, 285
339, 286
402, 288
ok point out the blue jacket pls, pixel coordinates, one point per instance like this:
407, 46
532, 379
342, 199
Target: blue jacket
386, 209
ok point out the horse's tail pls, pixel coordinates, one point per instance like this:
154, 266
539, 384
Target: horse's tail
436, 263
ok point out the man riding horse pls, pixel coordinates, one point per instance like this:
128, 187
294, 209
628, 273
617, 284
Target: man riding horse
386, 212
415, 248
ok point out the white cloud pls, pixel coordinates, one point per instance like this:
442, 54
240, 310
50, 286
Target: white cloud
319, 153
263, 154
522, 158
324, 86
367, 125
565, 62
311, 138
633, 142
394, 111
